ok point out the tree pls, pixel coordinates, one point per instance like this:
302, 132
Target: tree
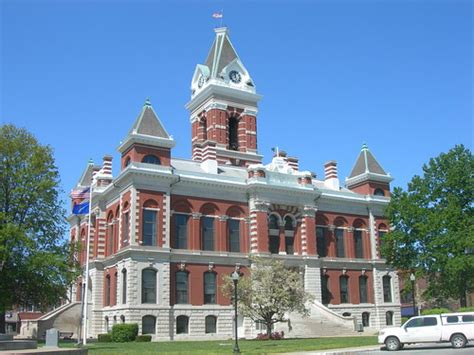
269, 292
36, 264
433, 226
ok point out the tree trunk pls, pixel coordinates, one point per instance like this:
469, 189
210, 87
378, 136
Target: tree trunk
2, 319
463, 300
269, 329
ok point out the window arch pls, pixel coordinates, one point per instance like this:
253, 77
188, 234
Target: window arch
149, 225
149, 285
379, 192
387, 288
274, 233
363, 298
149, 324
124, 286
107, 290
210, 287
233, 133
211, 322
181, 287
151, 159
182, 325
389, 318
366, 319
344, 288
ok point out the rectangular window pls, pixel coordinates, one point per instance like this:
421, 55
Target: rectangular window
289, 245
181, 222
181, 287
358, 244
326, 295
387, 289
274, 244
126, 228
340, 251
207, 232
149, 227
321, 241
234, 235
363, 289
209, 288
343, 282
107, 290
381, 238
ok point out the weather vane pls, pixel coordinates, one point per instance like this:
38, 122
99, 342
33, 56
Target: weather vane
219, 15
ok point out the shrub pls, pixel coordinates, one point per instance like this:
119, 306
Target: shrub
122, 333
273, 336
466, 309
404, 319
143, 338
427, 312
104, 338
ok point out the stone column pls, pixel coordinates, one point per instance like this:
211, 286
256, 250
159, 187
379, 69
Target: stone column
282, 249
258, 226
373, 242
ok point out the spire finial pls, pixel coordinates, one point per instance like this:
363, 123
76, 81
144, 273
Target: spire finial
364, 146
91, 162
147, 102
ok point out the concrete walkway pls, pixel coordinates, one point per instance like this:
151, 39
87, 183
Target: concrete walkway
345, 351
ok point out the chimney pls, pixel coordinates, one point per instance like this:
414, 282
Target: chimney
293, 162
104, 176
331, 180
209, 161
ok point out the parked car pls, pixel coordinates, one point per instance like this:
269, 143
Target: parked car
457, 328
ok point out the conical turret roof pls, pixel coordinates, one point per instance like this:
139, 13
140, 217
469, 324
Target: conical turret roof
367, 168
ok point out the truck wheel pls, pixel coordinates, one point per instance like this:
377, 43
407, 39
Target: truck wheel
392, 343
458, 341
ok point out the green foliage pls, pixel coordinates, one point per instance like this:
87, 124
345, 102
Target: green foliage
104, 338
466, 309
427, 312
404, 319
269, 292
433, 226
143, 338
125, 332
37, 261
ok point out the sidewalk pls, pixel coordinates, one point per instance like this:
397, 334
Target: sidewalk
344, 351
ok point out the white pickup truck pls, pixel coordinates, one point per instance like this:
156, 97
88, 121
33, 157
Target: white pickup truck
457, 328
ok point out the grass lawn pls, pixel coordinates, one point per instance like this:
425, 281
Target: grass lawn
226, 346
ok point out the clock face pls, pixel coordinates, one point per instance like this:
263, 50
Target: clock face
201, 81
235, 76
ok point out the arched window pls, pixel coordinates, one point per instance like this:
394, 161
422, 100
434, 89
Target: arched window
211, 322
182, 325
151, 159
181, 231
233, 230
148, 286
387, 288
110, 234
126, 225
114, 291
321, 241
127, 161
389, 318
382, 231
124, 286
148, 325
233, 133
107, 324
210, 287
344, 289
273, 234
289, 235
363, 289
122, 318
366, 319
181, 287
340, 250
107, 290
358, 243
379, 192
325, 292
149, 230
207, 233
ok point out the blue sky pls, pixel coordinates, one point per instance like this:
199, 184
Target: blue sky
334, 74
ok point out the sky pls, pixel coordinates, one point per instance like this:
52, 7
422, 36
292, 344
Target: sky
333, 74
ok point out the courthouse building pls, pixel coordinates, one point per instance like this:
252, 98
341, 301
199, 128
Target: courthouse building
165, 229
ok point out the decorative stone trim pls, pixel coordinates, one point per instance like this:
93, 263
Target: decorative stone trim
223, 218
196, 215
331, 227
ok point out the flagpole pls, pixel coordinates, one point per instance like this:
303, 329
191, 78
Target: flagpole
86, 281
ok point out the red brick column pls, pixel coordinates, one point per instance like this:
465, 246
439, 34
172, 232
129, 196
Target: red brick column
308, 231
221, 236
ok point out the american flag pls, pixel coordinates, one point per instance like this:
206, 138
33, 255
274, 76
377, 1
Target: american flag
81, 193
217, 15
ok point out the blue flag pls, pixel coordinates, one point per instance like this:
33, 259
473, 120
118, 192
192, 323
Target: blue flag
81, 208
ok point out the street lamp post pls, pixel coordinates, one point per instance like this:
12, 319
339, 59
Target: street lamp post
235, 277
412, 279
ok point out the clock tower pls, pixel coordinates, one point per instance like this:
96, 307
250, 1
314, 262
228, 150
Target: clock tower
223, 107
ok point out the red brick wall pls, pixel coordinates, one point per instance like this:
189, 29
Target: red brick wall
113, 286
353, 286
368, 188
137, 152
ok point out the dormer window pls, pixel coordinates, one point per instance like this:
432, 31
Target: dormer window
151, 159
379, 192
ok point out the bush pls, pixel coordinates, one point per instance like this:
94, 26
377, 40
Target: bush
143, 338
466, 309
273, 336
122, 333
427, 312
404, 319
104, 338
